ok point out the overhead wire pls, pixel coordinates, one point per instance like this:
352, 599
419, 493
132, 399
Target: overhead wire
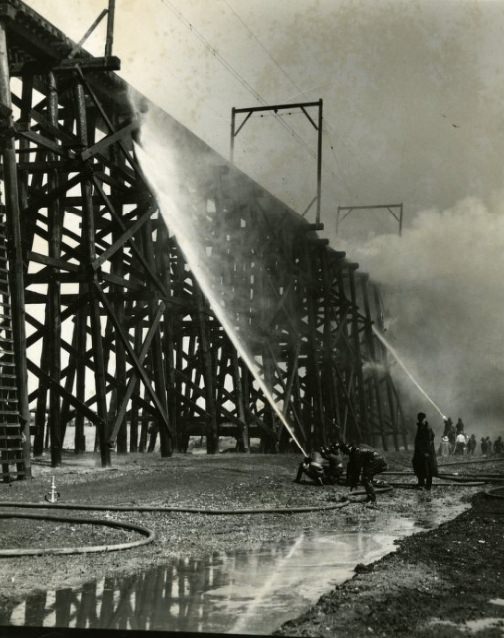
257, 96
268, 53
296, 86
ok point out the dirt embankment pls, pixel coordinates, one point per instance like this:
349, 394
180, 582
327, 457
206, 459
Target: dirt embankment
400, 593
442, 583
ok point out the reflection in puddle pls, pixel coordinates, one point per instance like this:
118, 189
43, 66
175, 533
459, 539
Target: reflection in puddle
237, 592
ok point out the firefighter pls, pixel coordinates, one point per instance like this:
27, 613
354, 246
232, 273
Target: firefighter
363, 464
333, 467
313, 470
424, 457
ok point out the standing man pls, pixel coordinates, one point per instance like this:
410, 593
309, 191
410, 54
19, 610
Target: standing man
471, 445
460, 444
424, 457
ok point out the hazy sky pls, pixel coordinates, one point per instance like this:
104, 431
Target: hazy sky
395, 76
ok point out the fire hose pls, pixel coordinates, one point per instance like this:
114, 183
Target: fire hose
149, 534
496, 492
145, 531
31, 551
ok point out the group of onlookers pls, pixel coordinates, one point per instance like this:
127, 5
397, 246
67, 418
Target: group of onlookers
455, 441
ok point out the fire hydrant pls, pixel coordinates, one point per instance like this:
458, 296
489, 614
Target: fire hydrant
53, 495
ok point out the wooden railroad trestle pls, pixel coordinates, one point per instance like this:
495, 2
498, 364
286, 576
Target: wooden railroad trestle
107, 324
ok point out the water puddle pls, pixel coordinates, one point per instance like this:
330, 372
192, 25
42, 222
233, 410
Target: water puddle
228, 592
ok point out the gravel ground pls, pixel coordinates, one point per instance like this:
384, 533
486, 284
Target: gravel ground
227, 481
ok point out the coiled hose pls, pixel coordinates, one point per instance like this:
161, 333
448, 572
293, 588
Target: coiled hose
34, 551
145, 531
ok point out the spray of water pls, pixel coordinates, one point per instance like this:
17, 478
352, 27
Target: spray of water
265, 590
393, 352
159, 168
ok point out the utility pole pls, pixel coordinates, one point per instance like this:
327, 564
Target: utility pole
317, 125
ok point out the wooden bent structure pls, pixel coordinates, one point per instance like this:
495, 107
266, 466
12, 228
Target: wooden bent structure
102, 322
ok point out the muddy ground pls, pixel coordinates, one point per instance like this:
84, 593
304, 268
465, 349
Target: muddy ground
450, 573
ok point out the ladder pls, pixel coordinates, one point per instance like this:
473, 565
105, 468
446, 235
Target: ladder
11, 434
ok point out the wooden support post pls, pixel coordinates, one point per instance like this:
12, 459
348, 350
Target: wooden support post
40, 412
243, 434
208, 373
357, 362
134, 416
110, 28
69, 383
384, 362
55, 228
317, 424
166, 441
144, 427
375, 382
168, 341
15, 256
329, 394
88, 231
117, 268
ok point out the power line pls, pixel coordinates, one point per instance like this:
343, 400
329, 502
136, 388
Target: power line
268, 53
336, 163
213, 50
257, 96
292, 81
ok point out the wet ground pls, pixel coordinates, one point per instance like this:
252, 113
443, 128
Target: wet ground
225, 555
444, 583
240, 591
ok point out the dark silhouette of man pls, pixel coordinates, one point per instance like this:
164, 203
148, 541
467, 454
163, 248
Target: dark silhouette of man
424, 457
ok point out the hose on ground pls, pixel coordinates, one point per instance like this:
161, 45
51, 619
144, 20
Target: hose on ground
414, 486
148, 533
494, 459
496, 492
457, 478
33, 551
182, 510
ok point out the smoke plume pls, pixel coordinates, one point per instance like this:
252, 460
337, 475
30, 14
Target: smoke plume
443, 291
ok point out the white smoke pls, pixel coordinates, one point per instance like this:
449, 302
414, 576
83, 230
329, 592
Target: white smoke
443, 290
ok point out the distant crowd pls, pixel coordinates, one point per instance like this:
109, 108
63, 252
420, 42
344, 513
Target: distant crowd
455, 441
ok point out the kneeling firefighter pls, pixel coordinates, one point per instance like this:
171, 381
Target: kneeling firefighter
313, 469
